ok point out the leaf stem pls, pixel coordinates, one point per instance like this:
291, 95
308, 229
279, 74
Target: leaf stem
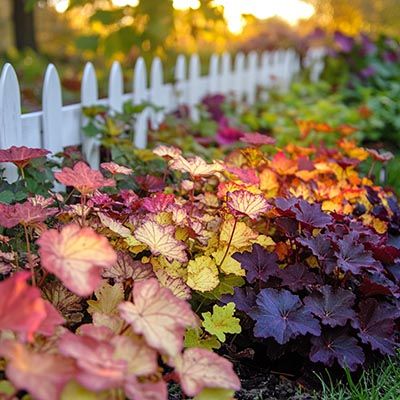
28, 249
229, 244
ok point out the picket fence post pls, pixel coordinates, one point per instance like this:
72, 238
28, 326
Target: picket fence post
213, 75
157, 92
180, 74
251, 77
52, 111
10, 115
116, 88
89, 97
226, 74
140, 96
194, 86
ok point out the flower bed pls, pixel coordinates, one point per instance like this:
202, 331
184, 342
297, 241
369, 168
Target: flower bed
131, 280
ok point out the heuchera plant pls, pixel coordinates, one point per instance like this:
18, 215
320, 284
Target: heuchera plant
292, 248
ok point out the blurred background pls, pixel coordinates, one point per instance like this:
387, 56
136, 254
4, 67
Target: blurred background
70, 32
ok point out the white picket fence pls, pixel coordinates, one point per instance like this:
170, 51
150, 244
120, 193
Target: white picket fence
58, 126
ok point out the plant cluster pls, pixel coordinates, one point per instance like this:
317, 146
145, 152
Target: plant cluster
292, 248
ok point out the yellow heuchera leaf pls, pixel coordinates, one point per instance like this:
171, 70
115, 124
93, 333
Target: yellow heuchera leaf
202, 274
331, 206
215, 394
164, 218
135, 246
221, 321
242, 235
379, 225
229, 266
173, 268
264, 241
108, 298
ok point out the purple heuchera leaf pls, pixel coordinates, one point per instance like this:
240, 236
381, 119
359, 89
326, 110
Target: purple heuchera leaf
345, 42
281, 315
334, 308
353, 257
311, 215
259, 263
376, 325
213, 104
244, 299
321, 247
297, 277
336, 344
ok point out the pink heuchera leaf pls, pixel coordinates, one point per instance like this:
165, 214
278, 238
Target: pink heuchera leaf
200, 368
244, 202
21, 156
115, 168
8, 216
160, 240
52, 320
97, 367
158, 315
25, 213
76, 256
83, 178
21, 307
43, 375
257, 139
146, 391
159, 202
247, 175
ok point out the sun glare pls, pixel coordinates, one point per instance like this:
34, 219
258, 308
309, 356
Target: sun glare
290, 10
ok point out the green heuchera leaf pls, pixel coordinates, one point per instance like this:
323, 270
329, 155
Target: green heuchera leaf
195, 337
221, 321
226, 286
215, 394
6, 388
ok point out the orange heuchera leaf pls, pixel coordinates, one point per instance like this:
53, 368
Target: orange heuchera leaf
283, 165
21, 307
160, 239
21, 156
200, 368
159, 316
76, 256
244, 202
43, 375
195, 166
83, 178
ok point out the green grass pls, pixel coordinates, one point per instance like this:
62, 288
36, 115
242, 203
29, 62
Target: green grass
379, 383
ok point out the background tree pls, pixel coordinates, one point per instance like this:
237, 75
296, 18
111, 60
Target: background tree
24, 24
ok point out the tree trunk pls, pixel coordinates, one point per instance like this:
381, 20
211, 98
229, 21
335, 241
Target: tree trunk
24, 26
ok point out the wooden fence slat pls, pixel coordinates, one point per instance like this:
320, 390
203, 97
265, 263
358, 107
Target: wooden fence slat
89, 97
213, 75
52, 111
157, 92
140, 95
180, 88
10, 109
116, 87
194, 86
251, 77
226, 74
239, 81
